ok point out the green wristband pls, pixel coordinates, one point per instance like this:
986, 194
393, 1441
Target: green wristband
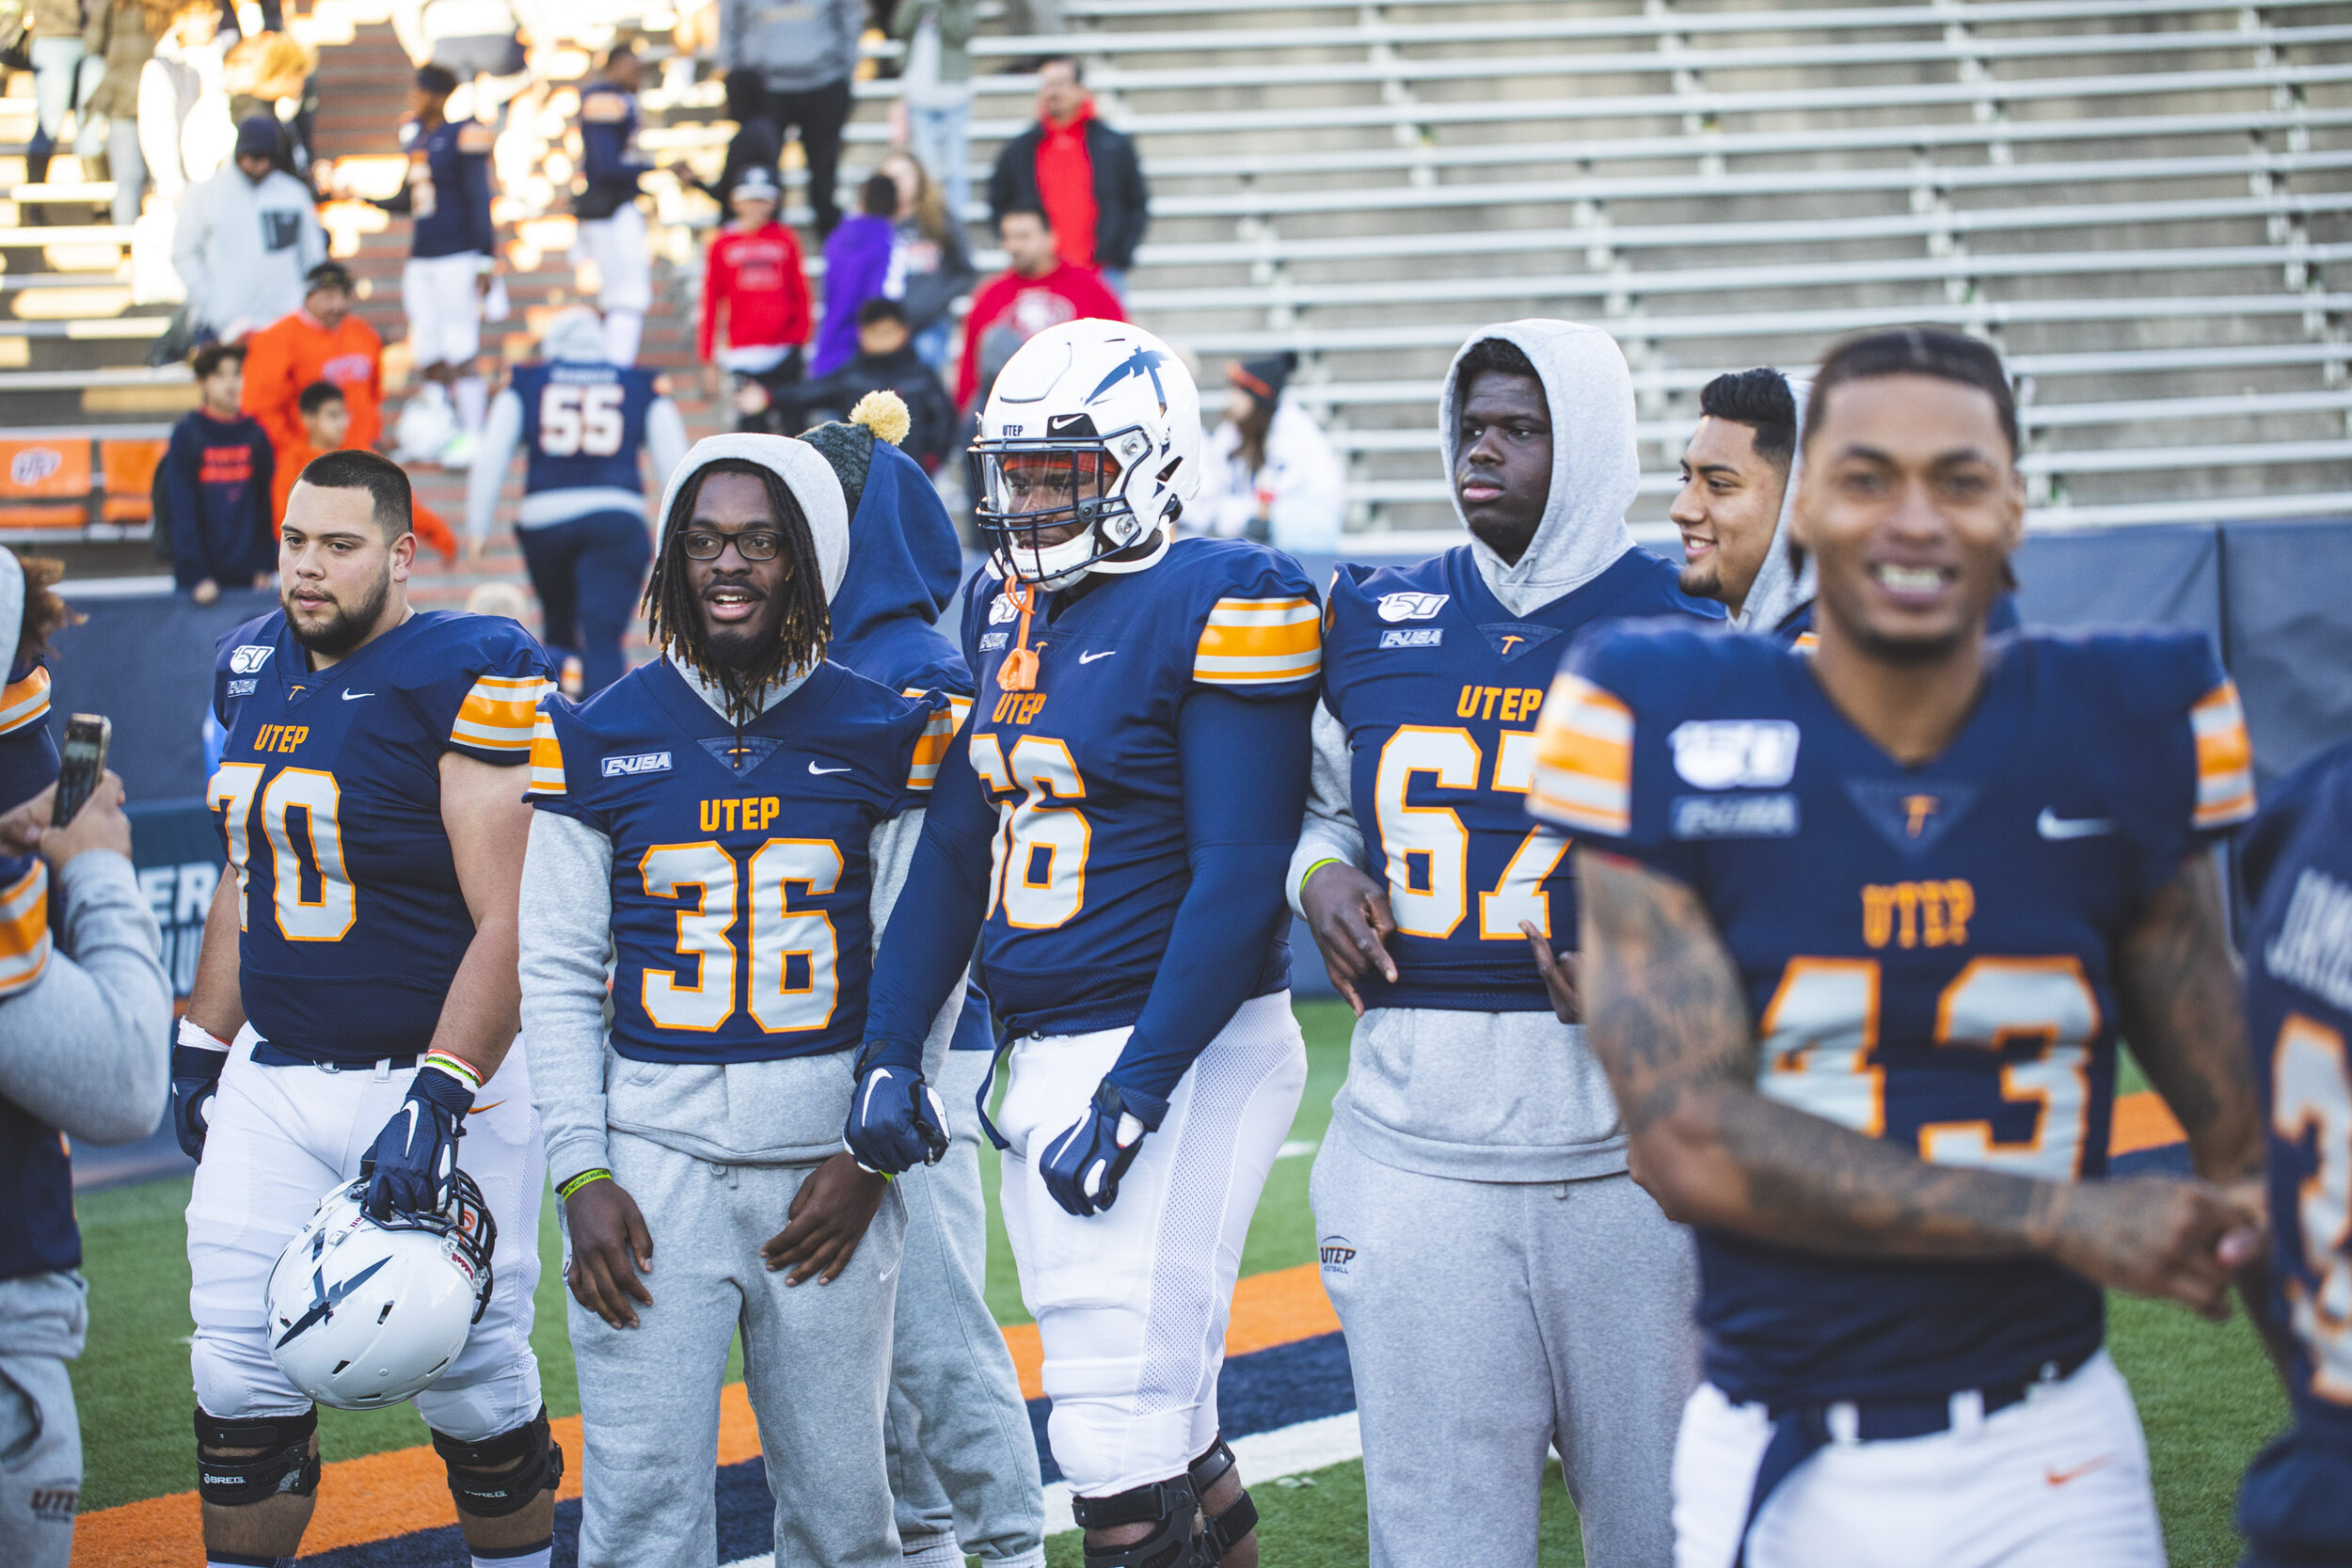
583, 1179
1309, 875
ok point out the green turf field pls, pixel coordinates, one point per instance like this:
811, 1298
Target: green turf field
2205, 1393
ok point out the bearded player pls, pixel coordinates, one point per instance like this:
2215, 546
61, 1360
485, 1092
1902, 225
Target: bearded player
356, 1000
1862, 929
1113, 827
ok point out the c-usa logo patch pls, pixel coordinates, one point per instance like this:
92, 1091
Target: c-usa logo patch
644, 762
994, 641
247, 658
1411, 607
1736, 753
242, 688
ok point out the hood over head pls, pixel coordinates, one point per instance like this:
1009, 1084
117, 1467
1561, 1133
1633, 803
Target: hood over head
576, 335
804, 473
905, 565
1595, 467
1780, 586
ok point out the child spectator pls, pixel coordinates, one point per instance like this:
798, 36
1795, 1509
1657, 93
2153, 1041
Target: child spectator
755, 281
857, 269
218, 476
326, 426
932, 262
885, 361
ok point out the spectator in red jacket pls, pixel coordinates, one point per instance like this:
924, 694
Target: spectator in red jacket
755, 281
1038, 291
1078, 169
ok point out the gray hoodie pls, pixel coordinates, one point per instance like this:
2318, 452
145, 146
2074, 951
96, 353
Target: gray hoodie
1501, 1096
243, 248
1780, 585
795, 45
789, 1112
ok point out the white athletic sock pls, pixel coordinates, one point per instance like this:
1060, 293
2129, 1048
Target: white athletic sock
525, 1557
473, 398
622, 331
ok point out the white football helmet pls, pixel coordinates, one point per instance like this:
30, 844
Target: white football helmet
363, 1312
1090, 447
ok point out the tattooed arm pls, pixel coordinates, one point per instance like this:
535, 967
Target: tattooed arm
2176, 990
1666, 1016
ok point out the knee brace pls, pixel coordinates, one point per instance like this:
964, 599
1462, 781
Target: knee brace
1223, 1530
284, 1468
505, 1474
1168, 1506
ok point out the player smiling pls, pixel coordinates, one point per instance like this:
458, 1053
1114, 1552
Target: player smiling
1861, 931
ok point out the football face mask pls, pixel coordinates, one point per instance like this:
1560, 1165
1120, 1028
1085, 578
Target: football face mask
1049, 509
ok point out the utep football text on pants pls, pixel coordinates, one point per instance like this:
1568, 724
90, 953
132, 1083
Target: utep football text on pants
1490, 1320
281, 1139
42, 1320
816, 1362
962, 1460
1130, 1305
2057, 1481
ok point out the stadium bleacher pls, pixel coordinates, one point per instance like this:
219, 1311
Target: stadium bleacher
2143, 202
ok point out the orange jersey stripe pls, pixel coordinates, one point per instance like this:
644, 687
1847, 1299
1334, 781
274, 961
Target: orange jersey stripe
2225, 759
1583, 758
547, 758
26, 702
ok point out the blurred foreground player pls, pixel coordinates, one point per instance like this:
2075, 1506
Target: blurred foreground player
1138, 761
1472, 1182
1861, 931
2295, 1507
358, 974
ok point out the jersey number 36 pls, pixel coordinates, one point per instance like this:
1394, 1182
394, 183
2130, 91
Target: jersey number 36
791, 975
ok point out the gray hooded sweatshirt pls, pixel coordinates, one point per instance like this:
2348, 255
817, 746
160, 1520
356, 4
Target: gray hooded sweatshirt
1781, 586
1501, 1096
795, 45
780, 1113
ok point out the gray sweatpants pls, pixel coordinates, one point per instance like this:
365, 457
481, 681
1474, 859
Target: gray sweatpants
1488, 1321
962, 1460
816, 1362
42, 1318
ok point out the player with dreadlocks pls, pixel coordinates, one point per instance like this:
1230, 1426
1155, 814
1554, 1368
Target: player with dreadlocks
728, 827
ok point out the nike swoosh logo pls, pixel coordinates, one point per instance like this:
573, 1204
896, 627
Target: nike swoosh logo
820, 773
411, 1109
355, 696
2051, 824
492, 1106
2059, 1477
1088, 658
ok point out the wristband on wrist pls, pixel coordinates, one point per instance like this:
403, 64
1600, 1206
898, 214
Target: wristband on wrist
457, 1067
1309, 875
595, 1174
195, 1037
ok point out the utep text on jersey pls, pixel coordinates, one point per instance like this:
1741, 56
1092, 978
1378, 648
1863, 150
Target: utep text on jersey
583, 425
329, 801
1091, 861
2297, 1504
1927, 950
742, 868
1437, 687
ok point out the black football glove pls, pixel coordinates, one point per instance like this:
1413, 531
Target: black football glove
1081, 1168
195, 1079
897, 1121
415, 1157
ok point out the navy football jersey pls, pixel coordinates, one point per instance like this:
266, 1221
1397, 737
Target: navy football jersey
583, 424
448, 190
2298, 1008
1438, 686
1928, 951
1090, 856
742, 868
329, 801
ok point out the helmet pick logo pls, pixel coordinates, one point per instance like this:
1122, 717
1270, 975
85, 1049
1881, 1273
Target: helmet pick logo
326, 1298
1144, 361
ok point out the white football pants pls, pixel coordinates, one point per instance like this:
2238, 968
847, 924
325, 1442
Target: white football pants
442, 301
617, 246
282, 1138
2057, 1481
1130, 1305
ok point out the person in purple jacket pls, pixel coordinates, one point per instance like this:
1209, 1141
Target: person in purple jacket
859, 267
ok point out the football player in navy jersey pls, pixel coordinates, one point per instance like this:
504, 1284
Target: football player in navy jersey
581, 421
2295, 859
1738, 492
962, 1458
1474, 1170
1862, 929
725, 829
358, 973
1112, 826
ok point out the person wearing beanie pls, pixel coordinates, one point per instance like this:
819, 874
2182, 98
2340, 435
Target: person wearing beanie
754, 292
1269, 474
887, 361
245, 238
321, 339
736, 1062
581, 421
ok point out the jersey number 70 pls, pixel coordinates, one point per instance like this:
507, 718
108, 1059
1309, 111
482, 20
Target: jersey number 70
299, 819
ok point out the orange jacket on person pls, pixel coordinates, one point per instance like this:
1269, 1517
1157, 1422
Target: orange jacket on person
291, 460
295, 351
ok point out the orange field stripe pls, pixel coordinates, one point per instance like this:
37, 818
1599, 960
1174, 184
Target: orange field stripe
379, 1496
2142, 1120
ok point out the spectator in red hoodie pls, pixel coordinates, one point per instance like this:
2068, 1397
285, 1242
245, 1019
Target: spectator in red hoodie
1080, 172
1039, 290
754, 278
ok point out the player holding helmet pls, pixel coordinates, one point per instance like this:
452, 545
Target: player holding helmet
1113, 828
358, 974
